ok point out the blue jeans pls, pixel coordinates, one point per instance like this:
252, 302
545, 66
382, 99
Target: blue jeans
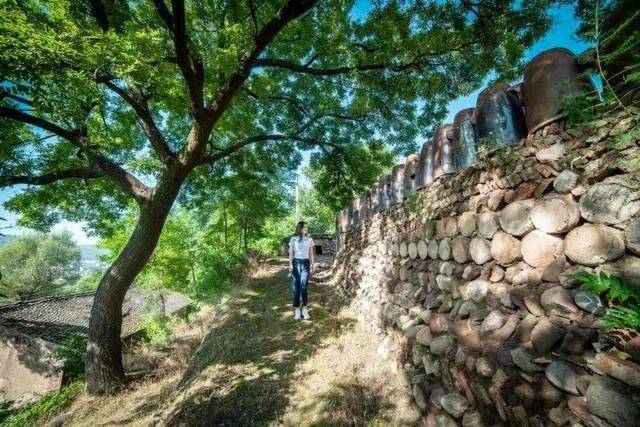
299, 281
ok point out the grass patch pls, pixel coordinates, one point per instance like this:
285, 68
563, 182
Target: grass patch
45, 407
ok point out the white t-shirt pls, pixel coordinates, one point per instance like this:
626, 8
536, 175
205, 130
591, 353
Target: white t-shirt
301, 248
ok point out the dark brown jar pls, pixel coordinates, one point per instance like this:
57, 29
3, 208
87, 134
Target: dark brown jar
551, 80
464, 137
499, 117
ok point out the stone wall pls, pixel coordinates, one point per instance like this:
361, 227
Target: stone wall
467, 282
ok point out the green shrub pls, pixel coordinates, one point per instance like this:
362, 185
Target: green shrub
45, 407
615, 290
622, 317
156, 328
72, 353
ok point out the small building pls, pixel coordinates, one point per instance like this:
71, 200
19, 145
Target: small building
323, 245
31, 331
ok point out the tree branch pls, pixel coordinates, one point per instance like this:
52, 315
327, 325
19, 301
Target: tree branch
138, 103
16, 98
43, 124
119, 175
192, 152
134, 187
252, 11
292, 66
175, 22
49, 178
226, 152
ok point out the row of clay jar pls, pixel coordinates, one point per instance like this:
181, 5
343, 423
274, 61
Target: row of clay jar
503, 115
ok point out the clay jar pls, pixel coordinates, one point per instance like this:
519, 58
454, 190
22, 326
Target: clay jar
499, 117
384, 192
426, 165
464, 138
365, 207
410, 174
551, 79
375, 198
397, 184
444, 141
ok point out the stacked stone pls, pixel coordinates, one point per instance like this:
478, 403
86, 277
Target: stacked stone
473, 291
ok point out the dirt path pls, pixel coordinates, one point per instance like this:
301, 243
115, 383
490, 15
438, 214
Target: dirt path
256, 365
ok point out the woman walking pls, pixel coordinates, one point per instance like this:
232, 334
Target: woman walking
301, 257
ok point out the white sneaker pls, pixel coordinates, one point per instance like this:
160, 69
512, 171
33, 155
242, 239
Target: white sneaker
297, 315
305, 314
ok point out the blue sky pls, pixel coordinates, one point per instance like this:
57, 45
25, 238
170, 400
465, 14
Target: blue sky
562, 34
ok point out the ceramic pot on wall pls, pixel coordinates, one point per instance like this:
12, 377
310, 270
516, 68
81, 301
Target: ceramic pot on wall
444, 139
426, 165
375, 198
410, 174
365, 207
464, 137
384, 192
551, 79
397, 184
499, 117
352, 216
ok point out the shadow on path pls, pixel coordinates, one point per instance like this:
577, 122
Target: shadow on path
242, 372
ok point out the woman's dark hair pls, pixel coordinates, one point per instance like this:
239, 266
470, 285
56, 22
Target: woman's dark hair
299, 228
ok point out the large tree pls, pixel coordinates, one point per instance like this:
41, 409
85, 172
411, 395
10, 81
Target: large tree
104, 101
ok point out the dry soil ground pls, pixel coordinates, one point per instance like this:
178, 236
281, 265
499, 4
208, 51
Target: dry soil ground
248, 362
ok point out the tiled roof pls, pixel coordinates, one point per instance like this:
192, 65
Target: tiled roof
55, 319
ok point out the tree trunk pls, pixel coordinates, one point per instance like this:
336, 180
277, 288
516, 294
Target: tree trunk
103, 360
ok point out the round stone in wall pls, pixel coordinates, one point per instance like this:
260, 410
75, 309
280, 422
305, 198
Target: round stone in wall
589, 302
422, 249
395, 249
632, 236
441, 228
455, 404
404, 250
444, 249
594, 244
505, 248
467, 223
430, 230
460, 249
555, 215
451, 227
480, 250
488, 224
515, 219
432, 249
615, 200
566, 181
413, 250
540, 249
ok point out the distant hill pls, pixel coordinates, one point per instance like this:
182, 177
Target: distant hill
89, 252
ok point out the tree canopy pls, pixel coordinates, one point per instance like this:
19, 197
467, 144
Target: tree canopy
120, 77
38, 265
105, 102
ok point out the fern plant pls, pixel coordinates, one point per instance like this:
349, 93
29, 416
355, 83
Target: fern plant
612, 287
623, 298
618, 316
